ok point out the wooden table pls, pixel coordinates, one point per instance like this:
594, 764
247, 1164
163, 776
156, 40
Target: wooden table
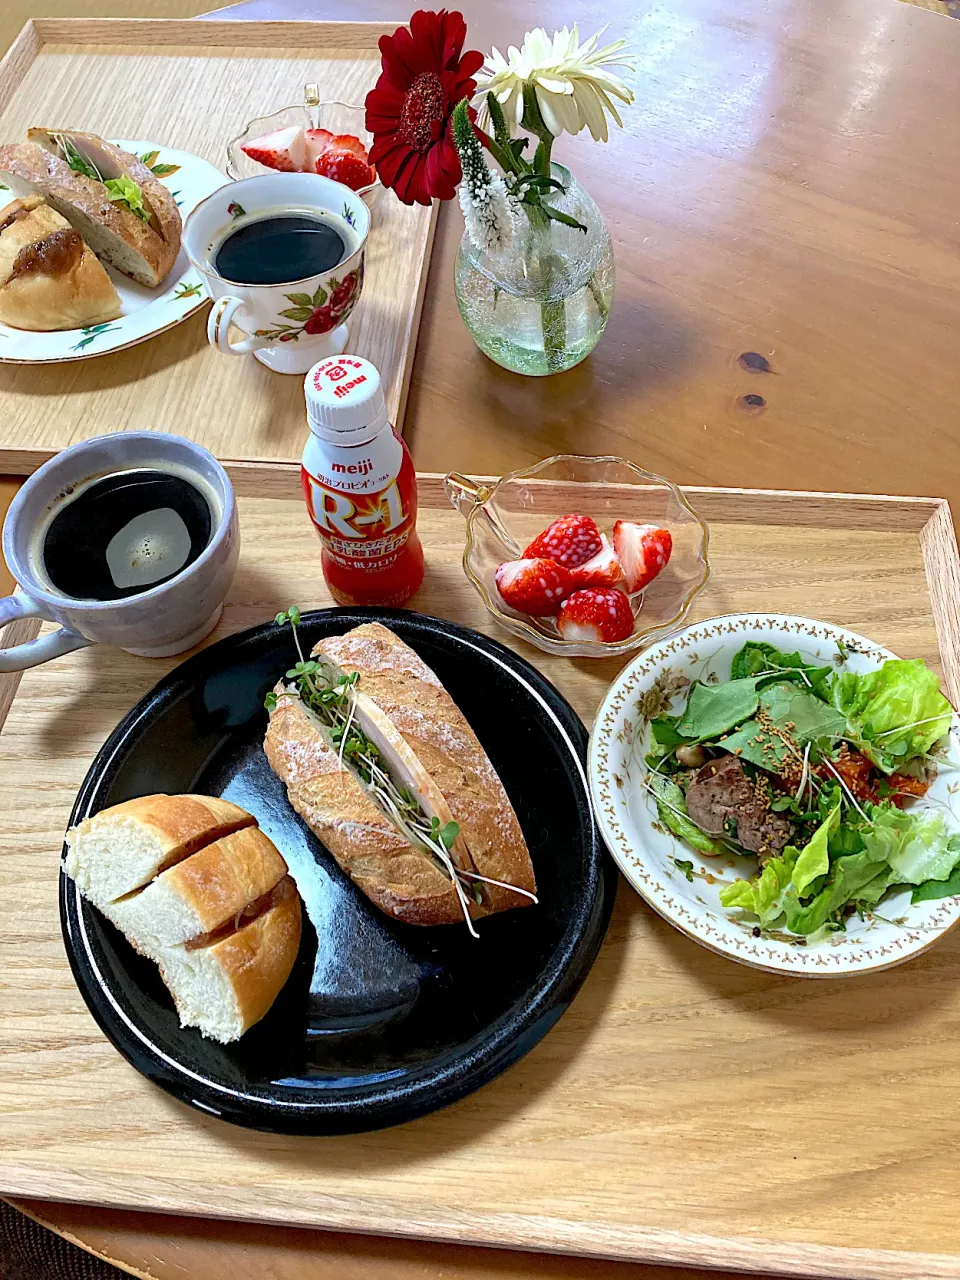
787, 186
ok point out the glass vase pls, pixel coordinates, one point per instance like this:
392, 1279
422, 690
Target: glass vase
540, 305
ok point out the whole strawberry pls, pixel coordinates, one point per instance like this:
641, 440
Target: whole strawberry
571, 541
534, 586
600, 614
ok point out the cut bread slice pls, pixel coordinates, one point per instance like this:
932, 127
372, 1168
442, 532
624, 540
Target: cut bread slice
144, 250
200, 894
400, 878
222, 985
413, 701
122, 848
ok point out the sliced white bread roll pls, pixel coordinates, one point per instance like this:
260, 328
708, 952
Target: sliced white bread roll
122, 848
200, 894
143, 249
222, 985
395, 679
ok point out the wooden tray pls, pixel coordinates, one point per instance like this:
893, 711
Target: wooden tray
195, 85
685, 1109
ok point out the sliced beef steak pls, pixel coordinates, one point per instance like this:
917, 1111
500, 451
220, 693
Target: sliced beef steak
721, 791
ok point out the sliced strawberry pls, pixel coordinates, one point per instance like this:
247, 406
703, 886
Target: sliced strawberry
349, 142
345, 167
317, 140
602, 570
284, 149
533, 586
572, 540
597, 613
643, 550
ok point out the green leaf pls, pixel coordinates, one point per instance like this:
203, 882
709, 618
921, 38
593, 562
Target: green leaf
293, 614
848, 877
785, 704
565, 218
320, 297
686, 867
300, 299
713, 708
666, 733
150, 158
757, 656
931, 889
300, 314
448, 834
270, 701
813, 860
164, 170
900, 695
281, 619
764, 894
672, 811
918, 846
77, 162
125, 191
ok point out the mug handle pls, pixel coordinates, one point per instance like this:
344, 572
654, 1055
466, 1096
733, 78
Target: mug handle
218, 329
54, 645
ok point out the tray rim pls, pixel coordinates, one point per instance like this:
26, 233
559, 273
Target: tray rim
930, 519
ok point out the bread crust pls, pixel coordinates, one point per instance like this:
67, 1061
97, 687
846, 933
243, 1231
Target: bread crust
402, 880
41, 171
409, 693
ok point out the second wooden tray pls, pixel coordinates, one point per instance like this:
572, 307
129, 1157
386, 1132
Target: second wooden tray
194, 86
685, 1109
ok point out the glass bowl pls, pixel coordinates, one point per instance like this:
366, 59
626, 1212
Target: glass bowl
505, 515
338, 117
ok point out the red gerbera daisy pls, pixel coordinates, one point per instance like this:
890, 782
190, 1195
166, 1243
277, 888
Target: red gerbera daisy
409, 110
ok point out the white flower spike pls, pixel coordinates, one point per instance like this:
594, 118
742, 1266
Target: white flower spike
573, 86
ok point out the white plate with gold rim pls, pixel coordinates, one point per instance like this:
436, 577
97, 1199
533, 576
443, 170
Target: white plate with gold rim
146, 312
647, 853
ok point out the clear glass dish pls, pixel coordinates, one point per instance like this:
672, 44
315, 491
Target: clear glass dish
505, 515
338, 117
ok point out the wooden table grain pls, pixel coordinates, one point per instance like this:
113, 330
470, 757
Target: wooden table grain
786, 188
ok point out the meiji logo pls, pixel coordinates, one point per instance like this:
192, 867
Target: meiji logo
345, 388
361, 468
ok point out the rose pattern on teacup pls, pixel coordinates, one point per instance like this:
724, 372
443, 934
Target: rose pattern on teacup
320, 312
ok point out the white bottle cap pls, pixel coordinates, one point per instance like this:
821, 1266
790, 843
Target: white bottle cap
345, 400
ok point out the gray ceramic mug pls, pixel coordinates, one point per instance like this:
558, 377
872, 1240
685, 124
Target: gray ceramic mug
155, 623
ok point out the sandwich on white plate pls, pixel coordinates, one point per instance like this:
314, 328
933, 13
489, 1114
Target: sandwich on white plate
386, 771
199, 889
123, 211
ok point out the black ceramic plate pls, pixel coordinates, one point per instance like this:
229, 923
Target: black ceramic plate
379, 1022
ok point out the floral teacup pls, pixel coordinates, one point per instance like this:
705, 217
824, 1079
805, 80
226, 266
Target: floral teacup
290, 326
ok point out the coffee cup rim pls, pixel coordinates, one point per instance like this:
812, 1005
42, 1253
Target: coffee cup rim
208, 269
20, 568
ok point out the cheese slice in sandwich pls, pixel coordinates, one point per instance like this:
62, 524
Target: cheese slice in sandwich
447, 793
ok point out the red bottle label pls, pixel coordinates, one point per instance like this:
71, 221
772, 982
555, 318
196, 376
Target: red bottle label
363, 504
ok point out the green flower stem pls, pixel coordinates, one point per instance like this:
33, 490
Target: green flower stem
553, 311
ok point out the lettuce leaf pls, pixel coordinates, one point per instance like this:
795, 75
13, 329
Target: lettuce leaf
672, 810
764, 894
814, 859
124, 190
898, 695
757, 656
917, 846
848, 877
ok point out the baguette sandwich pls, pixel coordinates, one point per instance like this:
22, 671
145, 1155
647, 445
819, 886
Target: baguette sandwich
385, 770
122, 210
195, 886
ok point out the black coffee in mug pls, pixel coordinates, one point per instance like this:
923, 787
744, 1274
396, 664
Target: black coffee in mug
125, 533
278, 249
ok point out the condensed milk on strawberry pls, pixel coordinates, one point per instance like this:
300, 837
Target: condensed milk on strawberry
360, 487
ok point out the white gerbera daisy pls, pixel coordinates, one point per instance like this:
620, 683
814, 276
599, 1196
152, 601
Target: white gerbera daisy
571, 82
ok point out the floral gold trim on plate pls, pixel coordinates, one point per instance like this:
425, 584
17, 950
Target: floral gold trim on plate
684, 886
145, 312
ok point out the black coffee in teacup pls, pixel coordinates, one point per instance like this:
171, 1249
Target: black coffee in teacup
121, 534
280, 248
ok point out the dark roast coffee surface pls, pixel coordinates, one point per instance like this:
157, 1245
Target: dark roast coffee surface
125, 534
279, 249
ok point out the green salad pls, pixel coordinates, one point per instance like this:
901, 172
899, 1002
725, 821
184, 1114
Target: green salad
816, 773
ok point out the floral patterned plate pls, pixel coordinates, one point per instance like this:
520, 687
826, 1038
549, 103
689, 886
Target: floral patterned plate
688, 895
146, 312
